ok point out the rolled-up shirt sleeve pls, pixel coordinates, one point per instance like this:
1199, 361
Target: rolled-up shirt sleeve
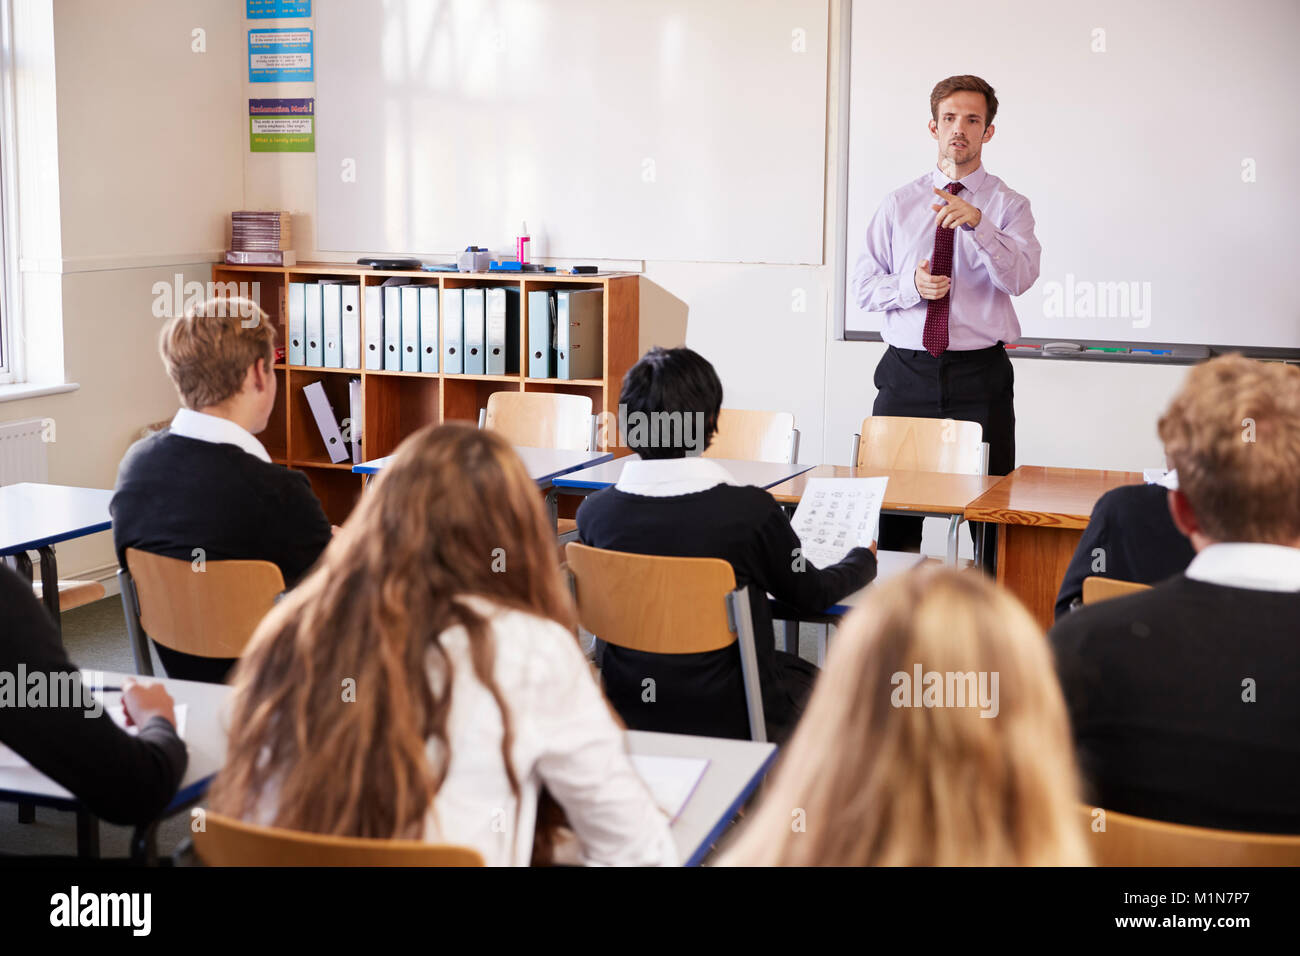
877, 285
1011, 252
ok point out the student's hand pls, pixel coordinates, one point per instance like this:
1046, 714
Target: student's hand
144, 702
335, 529
930, 287
958, 212
872, 547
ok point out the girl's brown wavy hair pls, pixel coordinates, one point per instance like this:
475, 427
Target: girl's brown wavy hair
453, 514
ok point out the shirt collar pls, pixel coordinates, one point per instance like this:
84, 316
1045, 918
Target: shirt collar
220, 431
1248, 564
667, 477
971, 182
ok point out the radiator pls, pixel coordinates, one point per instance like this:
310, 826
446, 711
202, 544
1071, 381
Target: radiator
23, 447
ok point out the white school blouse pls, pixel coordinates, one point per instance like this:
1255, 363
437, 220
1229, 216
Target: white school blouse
565, 739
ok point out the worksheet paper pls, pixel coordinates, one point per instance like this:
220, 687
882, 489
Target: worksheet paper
836, 515
671, 780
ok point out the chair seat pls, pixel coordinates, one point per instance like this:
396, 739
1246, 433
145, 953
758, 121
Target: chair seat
75, 593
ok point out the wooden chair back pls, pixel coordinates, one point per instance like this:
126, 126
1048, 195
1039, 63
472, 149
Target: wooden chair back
747, 435
664, 605
941, 445
541, 419
1096, 588
227, 842
1136, 841
208, 613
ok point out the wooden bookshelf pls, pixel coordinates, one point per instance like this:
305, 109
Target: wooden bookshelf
395, 404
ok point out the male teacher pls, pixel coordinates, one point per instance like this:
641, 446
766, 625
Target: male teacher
943, 257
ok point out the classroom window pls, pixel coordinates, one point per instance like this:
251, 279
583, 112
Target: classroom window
9, 361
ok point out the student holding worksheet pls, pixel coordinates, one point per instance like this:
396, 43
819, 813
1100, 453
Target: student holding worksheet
943, 256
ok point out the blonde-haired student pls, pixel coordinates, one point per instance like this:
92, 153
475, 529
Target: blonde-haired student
936, 735
206, 484
425, 679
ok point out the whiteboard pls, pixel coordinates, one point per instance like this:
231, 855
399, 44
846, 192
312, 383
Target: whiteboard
636, 129
1135, 160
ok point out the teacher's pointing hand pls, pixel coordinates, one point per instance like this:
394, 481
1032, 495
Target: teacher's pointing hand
958, 212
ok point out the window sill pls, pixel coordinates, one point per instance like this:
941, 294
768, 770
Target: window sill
16, 393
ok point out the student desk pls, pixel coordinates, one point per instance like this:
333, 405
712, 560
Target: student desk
926, 493
544, 465
736, 767
36, 517
1043, 512
204, 736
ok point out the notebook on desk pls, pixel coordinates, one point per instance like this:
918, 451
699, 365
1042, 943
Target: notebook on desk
671, 780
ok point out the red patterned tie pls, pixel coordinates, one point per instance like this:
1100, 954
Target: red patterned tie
935, 334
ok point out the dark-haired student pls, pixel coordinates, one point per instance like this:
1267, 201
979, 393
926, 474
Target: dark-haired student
1130, 537
1185, 699
121, 778
206, 482
472, 694
672, 504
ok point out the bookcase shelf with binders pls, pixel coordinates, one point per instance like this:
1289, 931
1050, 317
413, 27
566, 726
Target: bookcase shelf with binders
419, 387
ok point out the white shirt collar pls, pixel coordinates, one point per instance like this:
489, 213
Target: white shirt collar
1248, 564
220, 431
971, 182
667, 477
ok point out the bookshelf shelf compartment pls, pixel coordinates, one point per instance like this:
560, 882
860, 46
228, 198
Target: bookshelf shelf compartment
396, 404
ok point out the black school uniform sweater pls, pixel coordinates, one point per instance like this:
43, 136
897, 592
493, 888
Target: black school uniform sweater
175, 494
1154, 686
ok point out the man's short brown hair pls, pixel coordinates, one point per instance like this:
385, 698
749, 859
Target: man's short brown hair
208, 350
967, 83
1233, 433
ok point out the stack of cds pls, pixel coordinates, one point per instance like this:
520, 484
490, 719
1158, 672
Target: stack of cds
260, 239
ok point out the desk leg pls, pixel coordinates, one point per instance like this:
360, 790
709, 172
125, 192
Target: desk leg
954, 526
87, 836
790, 637
50, 587
553, 508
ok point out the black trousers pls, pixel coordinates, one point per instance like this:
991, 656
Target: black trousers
973, 386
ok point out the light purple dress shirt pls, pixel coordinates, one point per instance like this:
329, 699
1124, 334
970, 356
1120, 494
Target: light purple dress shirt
990, 263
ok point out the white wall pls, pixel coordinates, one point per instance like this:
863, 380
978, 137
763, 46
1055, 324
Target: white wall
149, 167
153, 157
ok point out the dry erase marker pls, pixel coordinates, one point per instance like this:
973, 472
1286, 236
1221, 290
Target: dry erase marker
1152, 351
1098, 348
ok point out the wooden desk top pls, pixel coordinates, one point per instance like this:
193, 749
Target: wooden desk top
1055, 497
925, 491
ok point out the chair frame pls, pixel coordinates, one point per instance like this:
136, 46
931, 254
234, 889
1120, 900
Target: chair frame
320, 849
954, 521
740, 622
139, 639
1141, 841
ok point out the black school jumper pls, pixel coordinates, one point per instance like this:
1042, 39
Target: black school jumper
122, 778
1137, 538
175, 494
745, 526
1154, 686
